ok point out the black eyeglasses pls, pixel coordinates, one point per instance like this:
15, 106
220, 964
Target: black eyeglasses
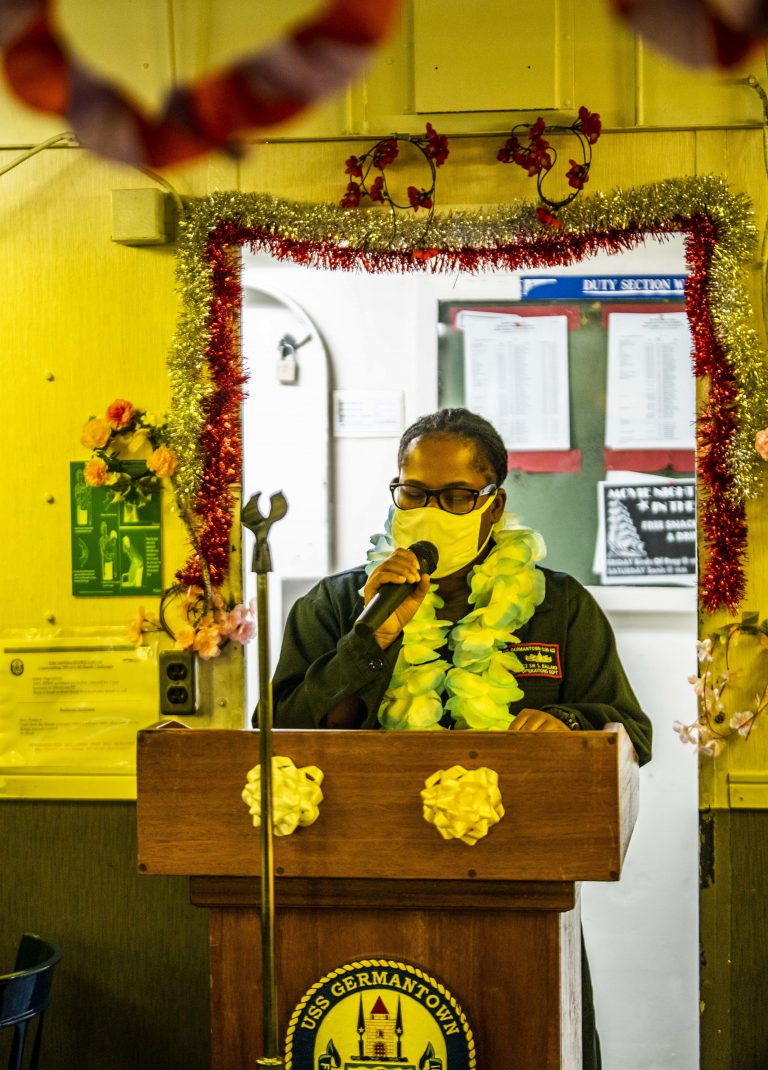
451, 499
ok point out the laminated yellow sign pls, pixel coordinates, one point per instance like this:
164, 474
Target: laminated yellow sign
70, 707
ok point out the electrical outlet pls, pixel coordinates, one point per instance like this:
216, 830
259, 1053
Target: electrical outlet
178, 682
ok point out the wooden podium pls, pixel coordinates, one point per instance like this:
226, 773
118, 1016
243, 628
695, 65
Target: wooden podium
497, 923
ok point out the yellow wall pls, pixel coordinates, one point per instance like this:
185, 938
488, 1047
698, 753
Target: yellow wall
86, 320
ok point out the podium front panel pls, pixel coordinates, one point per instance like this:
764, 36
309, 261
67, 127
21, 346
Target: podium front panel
570, 802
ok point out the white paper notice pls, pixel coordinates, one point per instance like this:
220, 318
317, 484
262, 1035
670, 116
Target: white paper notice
516, 375
367, 413
651, 387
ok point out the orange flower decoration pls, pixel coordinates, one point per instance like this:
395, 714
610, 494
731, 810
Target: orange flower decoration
136, 628
163, 462
120, 413
185, 638
95, 434
138, 440
95, 472
207, 642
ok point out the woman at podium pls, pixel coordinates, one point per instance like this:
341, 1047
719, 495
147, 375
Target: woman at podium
484, 637
488, 640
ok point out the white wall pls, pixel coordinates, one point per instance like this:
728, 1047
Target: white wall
642, 934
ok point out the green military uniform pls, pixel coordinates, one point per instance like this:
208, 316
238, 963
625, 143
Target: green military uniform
570, 669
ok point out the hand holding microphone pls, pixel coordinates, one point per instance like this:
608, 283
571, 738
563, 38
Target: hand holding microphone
397, 587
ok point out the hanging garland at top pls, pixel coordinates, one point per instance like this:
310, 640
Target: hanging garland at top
702, 33
316, 58
207, 378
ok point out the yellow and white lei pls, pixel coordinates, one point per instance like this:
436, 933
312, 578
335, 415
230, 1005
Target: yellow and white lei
505, 589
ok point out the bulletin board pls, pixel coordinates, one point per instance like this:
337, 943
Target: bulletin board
563, 505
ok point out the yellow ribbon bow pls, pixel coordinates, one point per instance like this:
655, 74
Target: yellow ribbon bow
296, 795
462, 804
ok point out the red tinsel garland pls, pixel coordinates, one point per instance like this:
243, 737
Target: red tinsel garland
723, 520
221, 438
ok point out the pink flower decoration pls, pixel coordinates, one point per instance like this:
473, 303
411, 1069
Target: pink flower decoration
687, 732
241, 623
742, 722
704, 650
761, 443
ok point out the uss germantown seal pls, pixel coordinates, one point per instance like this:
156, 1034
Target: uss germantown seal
377, 1014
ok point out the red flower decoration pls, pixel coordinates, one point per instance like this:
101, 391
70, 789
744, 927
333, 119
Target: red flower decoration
386, 152
589, 124
419, 198
351, 198
120, 413
538, 157
507, 150
533, 157
436, 147
544, 215
577, 175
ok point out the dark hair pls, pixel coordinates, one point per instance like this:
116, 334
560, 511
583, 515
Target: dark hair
463, 424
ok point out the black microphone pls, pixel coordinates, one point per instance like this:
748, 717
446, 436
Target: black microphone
391, 595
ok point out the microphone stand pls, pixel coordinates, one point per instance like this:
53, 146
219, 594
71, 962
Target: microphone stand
262, 565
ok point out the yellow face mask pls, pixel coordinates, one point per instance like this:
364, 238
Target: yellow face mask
455, 535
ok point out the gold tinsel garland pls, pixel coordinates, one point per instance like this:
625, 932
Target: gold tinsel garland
505, 236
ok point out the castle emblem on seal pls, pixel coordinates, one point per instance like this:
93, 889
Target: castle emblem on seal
377, 1014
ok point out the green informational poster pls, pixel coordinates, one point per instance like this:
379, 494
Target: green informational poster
115, 545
